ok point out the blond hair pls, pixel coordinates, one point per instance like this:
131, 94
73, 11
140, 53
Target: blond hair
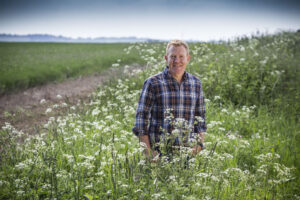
177, 43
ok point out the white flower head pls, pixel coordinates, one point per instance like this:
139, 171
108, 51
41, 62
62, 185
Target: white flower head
217, 97
115, 65
199, 119
96, 111
49, 110
43, 101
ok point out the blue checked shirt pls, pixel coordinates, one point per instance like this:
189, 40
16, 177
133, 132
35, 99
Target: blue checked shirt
162, 94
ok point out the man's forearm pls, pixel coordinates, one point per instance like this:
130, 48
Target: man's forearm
200, 143
201, 137
148, 151
145, 139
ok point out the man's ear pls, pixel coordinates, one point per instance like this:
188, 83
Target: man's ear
189, 58
166, 58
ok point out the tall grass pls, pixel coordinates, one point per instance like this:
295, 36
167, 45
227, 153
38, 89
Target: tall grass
252, 149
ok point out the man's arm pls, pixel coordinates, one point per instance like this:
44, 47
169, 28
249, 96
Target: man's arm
200, 143
201, 138
142, 117
143, 110
200, 111
200, 126
148, 151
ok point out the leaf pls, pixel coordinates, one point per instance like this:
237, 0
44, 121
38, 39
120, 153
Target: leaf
89, 197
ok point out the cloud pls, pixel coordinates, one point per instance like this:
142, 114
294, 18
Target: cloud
196, 19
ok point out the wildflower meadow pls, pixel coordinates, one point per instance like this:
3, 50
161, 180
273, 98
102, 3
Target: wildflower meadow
251, 88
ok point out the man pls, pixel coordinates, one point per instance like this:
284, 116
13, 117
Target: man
173, 90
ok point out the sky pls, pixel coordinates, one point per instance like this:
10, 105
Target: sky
157, 19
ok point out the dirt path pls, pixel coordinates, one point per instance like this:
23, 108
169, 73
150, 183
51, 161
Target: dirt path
26, 110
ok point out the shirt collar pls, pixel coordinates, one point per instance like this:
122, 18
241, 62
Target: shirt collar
168, 74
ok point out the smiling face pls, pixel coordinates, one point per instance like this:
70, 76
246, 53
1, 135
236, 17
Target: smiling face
177, 59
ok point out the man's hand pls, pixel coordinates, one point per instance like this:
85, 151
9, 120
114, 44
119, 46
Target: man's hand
200, 139
152, 155
196, 149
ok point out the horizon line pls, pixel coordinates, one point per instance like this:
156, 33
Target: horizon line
257, 33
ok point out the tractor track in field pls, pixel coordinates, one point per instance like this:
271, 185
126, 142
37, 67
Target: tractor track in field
26, 110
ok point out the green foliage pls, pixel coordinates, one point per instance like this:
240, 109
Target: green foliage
256, 71
24, 65
252, 149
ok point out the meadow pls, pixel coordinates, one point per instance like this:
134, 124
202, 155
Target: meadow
251, 88
25, 65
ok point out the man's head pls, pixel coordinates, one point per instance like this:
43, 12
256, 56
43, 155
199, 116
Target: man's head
177, 43
177, 57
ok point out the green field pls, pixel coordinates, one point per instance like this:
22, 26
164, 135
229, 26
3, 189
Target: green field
24, 65
252, 142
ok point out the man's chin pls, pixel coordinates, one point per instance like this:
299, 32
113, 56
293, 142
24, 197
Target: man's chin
179, 71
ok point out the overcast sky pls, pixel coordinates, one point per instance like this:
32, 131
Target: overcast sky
158, 19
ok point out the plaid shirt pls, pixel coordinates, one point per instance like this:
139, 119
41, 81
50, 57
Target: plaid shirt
161, 93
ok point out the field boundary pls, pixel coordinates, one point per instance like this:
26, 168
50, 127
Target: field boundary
26, 110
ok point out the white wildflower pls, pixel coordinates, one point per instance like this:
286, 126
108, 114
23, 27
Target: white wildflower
142, 162
64, 105
138, 190
228, 156
199, 119
172, 178
109, 117
214, 178
96, 111
20, 192
224, 110
99, 173
231, 137
221, 129
203, 175
217, 97
115, 65
49, 110
21, 165
43, 101
156, 196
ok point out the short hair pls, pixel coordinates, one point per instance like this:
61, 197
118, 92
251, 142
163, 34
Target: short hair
177, 43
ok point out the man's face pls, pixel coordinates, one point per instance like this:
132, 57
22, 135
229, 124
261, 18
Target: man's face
177, 60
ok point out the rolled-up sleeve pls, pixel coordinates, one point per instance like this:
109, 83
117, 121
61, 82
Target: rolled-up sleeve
143, 111
200, 125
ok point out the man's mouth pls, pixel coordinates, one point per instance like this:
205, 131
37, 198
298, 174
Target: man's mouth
178, 66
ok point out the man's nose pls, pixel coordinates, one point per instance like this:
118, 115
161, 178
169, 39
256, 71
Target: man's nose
176, 60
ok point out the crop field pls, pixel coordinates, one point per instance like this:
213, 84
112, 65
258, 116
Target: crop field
252, 92
24, 65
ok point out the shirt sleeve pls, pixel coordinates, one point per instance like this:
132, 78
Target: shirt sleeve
200, 125
143, 111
